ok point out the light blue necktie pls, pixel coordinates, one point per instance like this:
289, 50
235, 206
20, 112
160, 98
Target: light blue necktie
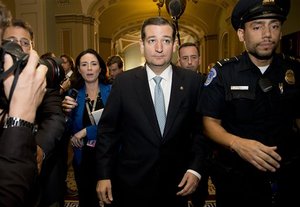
159, 104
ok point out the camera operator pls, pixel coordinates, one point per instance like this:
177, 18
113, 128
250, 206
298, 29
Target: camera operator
50, 121
18, 167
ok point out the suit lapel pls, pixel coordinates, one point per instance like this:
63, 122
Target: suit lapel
176, 97
145, 99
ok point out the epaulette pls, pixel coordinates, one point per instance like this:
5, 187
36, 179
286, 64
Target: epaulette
225, 61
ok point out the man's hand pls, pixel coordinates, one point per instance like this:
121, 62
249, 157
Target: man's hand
104, 191
261, 156
189, 184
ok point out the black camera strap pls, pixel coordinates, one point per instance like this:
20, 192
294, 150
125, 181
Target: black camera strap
4, 74
17, 70
16, 77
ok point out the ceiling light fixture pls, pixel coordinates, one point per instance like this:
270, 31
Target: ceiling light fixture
160, 4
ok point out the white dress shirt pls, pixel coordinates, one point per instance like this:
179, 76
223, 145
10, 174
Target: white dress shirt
166, 84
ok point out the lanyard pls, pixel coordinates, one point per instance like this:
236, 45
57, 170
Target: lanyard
90, 112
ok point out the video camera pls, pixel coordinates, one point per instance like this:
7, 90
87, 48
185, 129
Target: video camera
55, 73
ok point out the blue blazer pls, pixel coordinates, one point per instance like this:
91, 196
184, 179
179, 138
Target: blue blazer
76, 117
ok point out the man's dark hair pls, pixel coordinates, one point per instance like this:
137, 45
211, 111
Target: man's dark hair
157, 21
115, 59
188, 44
23, 24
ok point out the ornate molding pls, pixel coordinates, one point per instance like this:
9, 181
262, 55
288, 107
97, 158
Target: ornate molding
63, 3
74, 18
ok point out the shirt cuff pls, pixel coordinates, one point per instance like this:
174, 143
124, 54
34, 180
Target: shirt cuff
195, 173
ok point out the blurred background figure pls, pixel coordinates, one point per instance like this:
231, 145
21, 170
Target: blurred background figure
189, 56
69, 68
115, 65
48, 54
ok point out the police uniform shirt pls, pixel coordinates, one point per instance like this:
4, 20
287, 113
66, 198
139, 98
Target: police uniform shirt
233, 94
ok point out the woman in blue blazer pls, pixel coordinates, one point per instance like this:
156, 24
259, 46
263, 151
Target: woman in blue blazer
93, 92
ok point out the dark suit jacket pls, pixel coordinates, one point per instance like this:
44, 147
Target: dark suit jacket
143, 165
51, 124
18, 168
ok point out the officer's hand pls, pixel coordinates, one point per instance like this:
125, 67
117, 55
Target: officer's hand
261, 156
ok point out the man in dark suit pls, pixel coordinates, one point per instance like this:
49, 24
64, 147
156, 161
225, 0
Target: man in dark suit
139, 161
51, 125
18, 167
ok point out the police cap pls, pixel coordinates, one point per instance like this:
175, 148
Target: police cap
248, 10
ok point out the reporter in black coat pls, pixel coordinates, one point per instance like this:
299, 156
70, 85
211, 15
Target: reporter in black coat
18, 166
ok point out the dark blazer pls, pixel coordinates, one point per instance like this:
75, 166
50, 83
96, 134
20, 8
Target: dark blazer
18, 168
51, 126
144, 166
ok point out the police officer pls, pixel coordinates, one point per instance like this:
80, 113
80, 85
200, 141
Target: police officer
252, 113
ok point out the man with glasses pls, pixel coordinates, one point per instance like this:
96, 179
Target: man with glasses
20, 32
17, 146
50, 121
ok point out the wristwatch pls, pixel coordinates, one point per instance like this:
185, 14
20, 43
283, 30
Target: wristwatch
17, 122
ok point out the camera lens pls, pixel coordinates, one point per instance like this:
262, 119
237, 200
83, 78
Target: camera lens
55, 73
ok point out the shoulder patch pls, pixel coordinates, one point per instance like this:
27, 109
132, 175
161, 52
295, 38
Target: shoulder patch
225, 61
211, 75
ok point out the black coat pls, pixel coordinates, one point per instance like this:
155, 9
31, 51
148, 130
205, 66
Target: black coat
144, 166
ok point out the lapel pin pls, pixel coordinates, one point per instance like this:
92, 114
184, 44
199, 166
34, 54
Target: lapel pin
181, 87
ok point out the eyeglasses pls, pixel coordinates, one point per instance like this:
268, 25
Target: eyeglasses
23, 41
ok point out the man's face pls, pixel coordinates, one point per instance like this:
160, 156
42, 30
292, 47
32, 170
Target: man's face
189, 58
114, 70
261, 37
158, 46
20, 36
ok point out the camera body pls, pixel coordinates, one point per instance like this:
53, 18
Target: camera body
55, 73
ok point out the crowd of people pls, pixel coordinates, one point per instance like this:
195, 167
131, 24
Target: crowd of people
165, 128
